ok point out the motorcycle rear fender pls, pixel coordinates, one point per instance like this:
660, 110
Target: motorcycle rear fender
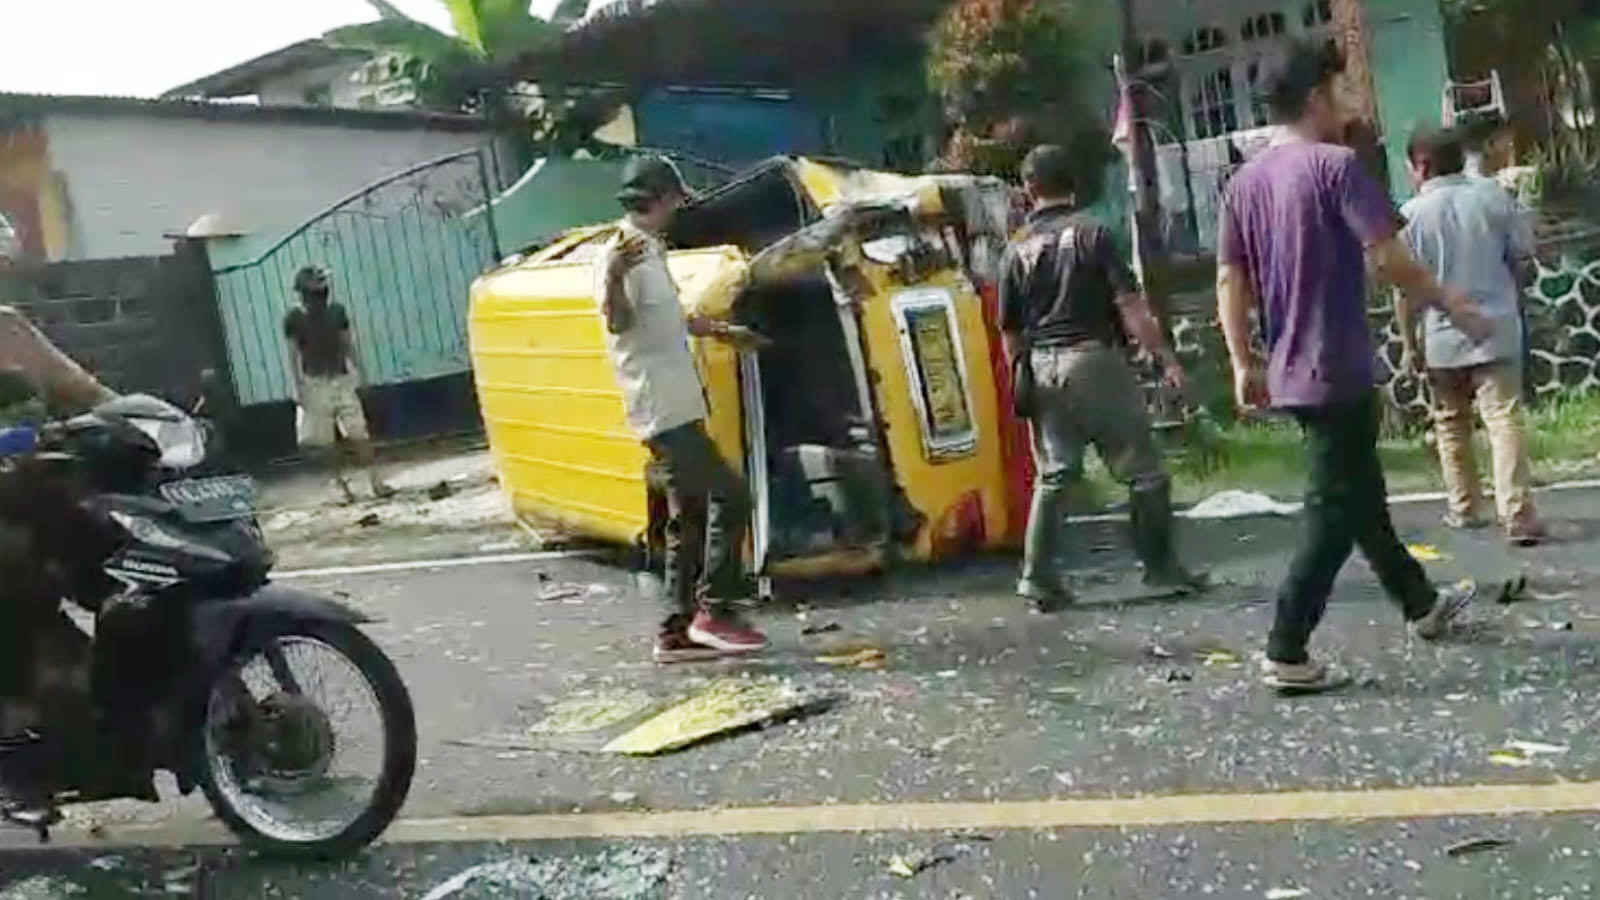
221, 627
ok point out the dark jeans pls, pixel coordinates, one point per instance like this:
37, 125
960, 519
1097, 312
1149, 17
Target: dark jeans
1347, 506
708, 512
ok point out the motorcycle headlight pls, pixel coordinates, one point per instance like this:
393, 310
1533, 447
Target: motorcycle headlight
182, 442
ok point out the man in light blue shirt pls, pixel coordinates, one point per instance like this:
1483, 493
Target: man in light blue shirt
1471, 233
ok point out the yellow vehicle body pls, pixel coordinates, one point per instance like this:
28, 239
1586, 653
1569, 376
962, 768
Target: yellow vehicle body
870, 433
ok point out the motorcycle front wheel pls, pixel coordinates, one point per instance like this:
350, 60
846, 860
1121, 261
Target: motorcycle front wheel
309, 742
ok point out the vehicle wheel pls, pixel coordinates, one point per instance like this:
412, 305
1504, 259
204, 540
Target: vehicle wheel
275, 753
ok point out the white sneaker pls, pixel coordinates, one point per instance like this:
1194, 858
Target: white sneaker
1451, 603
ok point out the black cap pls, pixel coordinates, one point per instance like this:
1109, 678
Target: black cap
650, 178
311, 279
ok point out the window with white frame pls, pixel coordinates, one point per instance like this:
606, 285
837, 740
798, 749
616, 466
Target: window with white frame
1317, 14
1213, 104
1216, 68
1155, 52
1204, 40
1260, 116
1263, 27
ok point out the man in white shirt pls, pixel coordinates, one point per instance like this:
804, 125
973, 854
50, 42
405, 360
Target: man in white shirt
647, 337
1470, 232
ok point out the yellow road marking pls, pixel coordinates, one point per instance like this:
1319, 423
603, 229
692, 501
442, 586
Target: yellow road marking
1187, 809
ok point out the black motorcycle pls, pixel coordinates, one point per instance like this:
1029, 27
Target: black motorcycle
176, 652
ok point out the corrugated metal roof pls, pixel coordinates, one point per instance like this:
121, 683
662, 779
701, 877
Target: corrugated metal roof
15, 106
246, 77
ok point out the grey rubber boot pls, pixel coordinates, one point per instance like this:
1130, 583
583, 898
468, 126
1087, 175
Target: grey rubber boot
1041, 583
1150, 514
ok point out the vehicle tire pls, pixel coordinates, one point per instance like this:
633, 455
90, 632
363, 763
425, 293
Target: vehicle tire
399, 754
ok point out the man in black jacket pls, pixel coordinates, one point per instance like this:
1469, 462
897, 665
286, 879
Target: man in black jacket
1066, 299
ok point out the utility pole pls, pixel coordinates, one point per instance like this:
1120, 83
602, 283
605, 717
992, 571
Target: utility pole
1365, 134
1350, 30
1146, 192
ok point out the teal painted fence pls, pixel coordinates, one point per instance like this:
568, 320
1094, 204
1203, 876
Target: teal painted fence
401, 254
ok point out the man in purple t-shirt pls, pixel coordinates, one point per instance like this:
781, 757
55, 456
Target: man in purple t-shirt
1298, 223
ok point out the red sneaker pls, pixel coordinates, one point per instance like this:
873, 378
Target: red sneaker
676, 647
726, 635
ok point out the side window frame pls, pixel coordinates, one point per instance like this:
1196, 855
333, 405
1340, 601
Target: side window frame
907, 305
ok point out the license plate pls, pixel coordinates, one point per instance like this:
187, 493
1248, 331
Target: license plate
213, 499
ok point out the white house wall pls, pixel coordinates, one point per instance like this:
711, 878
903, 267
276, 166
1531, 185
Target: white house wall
132, 179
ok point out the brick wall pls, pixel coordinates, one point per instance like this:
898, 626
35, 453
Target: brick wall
140, 324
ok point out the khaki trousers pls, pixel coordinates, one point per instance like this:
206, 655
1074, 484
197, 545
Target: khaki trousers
1496, 390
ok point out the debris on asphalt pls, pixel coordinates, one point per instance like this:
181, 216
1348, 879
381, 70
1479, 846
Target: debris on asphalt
826, 628
554, 592
1537, 748
914, 862
901, 866
910, 865
1239, 505
1427, 553
1513, 591
623, 797
1063, 694
1179, 676
1220, 656
370, 520
41, 887
628, 874
441, 491
861, 658
1561, 626
1511, 758
727, 705
1476, 845
595, 712
1159, 652
106, 863
1286, 893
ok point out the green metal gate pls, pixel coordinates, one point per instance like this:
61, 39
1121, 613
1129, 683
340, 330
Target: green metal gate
401, 255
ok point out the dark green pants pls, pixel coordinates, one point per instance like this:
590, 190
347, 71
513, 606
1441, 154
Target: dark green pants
1347, 506
708, 513
1084, 396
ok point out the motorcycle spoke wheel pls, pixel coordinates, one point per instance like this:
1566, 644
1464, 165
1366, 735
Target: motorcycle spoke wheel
300, 762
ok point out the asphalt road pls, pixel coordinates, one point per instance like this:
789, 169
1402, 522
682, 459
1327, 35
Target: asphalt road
978, 702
